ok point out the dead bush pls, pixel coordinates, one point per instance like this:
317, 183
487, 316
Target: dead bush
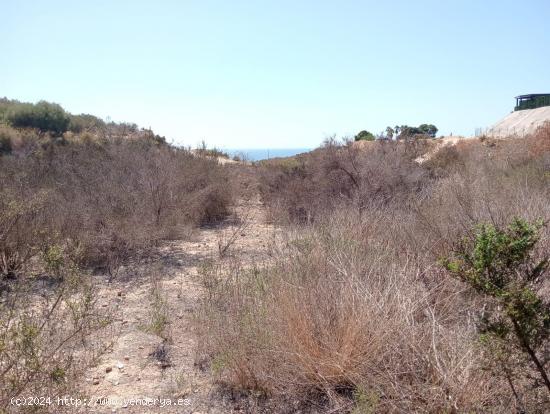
338, 175
110, 200
493, 185
48, 332
21, 230
539, 144
355, 312
343, 317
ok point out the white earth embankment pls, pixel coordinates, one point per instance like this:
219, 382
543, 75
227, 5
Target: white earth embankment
520, 123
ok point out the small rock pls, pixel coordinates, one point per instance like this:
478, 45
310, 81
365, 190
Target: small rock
138, 378
108, 369
120, 365
126, 358
119, 293
140, 347
96, 382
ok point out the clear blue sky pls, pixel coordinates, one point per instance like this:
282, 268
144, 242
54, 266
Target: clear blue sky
277, 74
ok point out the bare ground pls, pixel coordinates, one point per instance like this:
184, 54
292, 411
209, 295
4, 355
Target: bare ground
153, 347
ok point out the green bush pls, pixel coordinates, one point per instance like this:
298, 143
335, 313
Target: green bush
365, 136
499, 264
5, 143
44, 116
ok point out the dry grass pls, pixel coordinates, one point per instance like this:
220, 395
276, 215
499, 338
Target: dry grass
339, 315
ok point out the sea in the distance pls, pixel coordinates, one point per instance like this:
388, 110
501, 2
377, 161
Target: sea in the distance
257, 154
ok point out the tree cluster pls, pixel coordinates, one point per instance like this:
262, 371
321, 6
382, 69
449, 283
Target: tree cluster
400, 132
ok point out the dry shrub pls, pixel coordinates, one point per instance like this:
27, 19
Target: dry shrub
306, 187
343, 317
48, 333
539, 143
493, 184
73, 204
112, 200
21, 230
356, 311
16, 141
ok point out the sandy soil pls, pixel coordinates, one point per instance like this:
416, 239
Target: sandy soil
141, 364
440, 143
520, 123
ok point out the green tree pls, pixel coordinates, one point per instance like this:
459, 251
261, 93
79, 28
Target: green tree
389, 132
499, 264
428, 129
406, 131
364, 136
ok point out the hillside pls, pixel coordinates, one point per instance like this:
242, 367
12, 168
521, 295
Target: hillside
520, 123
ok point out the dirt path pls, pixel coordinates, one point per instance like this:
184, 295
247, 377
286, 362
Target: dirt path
153, 344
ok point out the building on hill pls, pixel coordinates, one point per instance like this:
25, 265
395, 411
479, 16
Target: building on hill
532, 101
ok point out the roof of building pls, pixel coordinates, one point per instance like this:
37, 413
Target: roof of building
532, 95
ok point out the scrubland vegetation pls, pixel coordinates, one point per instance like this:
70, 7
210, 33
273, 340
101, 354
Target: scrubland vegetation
394, 285
74, 203
104, 197
400, 287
